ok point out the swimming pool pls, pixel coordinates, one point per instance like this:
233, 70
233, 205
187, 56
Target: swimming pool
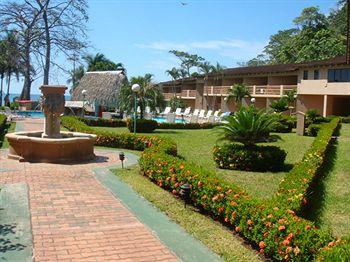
32, 114
160, 119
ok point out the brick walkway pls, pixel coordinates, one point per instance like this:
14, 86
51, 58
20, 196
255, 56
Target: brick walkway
74, 218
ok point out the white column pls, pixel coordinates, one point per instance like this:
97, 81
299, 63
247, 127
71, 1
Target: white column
325, 105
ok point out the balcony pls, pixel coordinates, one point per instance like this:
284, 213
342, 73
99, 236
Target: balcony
256, 90
185, 94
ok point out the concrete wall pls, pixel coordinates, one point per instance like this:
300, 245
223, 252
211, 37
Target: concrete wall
306, 102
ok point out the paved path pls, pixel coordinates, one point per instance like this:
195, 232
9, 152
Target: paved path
74, 218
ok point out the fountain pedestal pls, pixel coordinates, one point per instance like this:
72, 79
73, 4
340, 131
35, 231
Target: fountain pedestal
51, 145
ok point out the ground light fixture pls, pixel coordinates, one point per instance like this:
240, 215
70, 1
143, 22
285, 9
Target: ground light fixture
122, 158
185, 191
135, 88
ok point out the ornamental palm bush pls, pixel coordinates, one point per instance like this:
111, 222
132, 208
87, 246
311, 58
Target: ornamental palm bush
248, 126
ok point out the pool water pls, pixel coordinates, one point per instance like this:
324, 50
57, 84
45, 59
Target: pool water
163, 120
32, 114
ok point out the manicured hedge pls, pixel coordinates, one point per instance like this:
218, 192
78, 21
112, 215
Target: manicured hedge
284, 124
103, 122
270, 226
255, 158
313, 129
186, 125
293, 189
142, 125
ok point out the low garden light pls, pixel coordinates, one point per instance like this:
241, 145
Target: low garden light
122, 158
135, 89
253, 100
185, 192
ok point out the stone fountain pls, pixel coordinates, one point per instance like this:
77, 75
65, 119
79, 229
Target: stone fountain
51, 145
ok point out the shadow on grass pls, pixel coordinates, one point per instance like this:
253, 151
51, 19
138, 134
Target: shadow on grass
316, 193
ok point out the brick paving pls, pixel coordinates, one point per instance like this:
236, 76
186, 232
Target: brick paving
74, 218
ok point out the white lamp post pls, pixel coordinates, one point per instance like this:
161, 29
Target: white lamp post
83, 92
253, 100
135, 89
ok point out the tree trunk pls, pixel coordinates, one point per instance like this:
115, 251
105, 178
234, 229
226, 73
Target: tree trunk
8, 84
25, 95
48, 49
1, 89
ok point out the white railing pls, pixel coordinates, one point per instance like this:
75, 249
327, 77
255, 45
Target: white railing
255, 90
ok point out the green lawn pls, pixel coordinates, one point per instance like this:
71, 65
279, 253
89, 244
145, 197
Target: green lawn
211, 233
197, 145
335, 212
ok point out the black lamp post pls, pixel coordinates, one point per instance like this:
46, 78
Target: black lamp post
185, 191
121, 158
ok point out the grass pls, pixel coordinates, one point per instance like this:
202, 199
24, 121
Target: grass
197, 145
215, 236
335, 209
10, 129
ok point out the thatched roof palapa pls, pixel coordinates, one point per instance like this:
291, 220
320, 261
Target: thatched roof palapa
101, 87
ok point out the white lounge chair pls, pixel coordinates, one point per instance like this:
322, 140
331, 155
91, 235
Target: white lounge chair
195, 112
178, 111
201, 114
194, 119
167, 110
216, 115
187, 111
8, 113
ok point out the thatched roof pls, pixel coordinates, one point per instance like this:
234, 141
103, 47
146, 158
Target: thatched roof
101, 86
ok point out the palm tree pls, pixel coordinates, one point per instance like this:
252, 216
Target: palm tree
100, 63
75, 76
149, 95
174, 73
248, 126
205, 68
2, 67
13, 61
237, 93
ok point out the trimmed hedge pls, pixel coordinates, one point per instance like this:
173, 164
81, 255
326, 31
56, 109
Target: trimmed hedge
285, 124
186, 125
292, 192
256, 158
103, 122
313, 129
142, 125
270, 226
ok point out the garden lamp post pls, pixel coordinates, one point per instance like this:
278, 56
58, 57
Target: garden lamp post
252, 100
135, 89
83, 92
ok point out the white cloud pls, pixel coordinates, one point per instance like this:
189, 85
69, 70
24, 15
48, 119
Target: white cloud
232, 48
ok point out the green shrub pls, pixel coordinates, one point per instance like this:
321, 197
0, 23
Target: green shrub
336, 251
270, 226
280, 105
284, 124
255, 158
186, 125
313, 129
142, 125
3, 127
312, 114
292, 193
103, 122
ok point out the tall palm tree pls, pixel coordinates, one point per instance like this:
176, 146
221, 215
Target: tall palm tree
2, 67
13, 61
149, 95
174, 73
99, 62
205, 68
75, 76
237, 93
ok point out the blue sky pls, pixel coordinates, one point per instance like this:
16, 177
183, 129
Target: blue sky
139, 33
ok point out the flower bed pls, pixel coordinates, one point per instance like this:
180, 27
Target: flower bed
271, 227
292, 192
254, 158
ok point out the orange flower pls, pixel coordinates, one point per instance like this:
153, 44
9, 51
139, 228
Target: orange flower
220, 209
280, 221
236, 195
269, 216
174, 192
275, 208
249, 222
233, 203
237, 229
308, 227
200, 184
227, 219
289, 249
331, 244
268, 224
182, 166
286, 242
290, 236
281, 228
266, 234
296, 250
262, 244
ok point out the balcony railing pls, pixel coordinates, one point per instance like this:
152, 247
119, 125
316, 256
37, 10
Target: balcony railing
256, 90
189, 94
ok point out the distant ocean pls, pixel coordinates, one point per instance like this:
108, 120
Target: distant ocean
33, 97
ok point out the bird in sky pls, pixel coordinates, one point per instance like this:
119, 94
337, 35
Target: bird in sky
184, 3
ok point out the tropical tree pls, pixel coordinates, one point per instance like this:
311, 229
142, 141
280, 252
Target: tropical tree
149, 95
237, 93
176, 102
279, 105
187, 61
99, 62
75, 76
248, 126
291, 97
174, 73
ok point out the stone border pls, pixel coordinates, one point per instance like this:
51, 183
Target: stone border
16, 242
183, 245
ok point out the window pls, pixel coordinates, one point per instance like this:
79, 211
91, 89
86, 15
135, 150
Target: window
339, 75
306, 75
316, 74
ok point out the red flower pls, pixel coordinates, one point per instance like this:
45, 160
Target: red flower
262, 244
286, 242
227, 219
237, 229
200, 184
281, 228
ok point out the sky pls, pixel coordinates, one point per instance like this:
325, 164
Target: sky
139, 33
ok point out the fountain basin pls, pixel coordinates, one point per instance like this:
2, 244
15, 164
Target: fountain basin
70, 147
